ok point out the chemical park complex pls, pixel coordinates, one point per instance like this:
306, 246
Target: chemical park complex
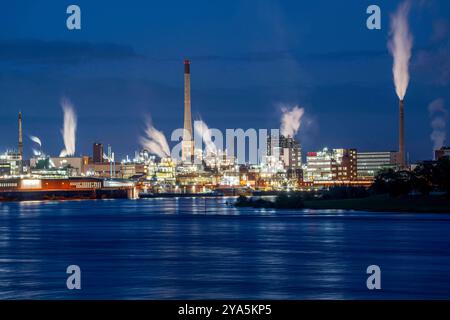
99, 175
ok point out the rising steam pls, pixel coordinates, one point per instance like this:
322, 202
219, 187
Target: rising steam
69, 129
290, 120
155, 141
438, 116
400, 45
201, 128
36, 140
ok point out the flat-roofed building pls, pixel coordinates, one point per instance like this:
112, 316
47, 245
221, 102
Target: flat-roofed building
97, 153
370, 163
10, 164
319, 165
288, 149
331, 165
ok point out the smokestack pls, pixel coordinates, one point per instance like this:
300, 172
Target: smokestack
401, 135
20, 137
187, 147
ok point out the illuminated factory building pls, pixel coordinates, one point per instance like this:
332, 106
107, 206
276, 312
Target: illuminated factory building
370, 163
331, 165
10, 164
280, 168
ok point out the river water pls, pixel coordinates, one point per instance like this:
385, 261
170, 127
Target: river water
196, 248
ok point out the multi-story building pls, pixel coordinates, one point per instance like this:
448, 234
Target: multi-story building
288, 149
345, 165
370, 163
319, 165
164, 172
331, 165
97, 154
54, 166
10, 164
132, 170
103, 170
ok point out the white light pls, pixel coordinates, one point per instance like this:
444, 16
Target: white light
31, 184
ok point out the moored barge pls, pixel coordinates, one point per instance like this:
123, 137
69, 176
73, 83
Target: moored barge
25, 189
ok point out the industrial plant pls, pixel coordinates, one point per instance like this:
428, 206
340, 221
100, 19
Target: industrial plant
209, 171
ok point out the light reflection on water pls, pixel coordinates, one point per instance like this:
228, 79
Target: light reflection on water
193, 248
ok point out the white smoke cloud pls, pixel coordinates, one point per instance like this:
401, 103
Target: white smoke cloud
155, 141
438, 115
400, 45
69, 128
201, 128
36, 140
291, 120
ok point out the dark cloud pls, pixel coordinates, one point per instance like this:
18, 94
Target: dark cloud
61, 52
64, 52
280, 55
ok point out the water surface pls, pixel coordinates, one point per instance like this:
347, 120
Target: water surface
194, 248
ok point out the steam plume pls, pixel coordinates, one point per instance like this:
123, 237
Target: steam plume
203, 131
36, 140
69, 128
155, 141
438, 116
290, 120
400, 45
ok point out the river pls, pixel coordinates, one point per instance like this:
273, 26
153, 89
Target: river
196, 248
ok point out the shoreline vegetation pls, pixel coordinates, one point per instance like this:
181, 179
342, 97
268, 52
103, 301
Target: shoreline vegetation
376, 203
425, 189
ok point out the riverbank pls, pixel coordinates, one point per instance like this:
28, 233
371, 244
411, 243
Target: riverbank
385, 203
376, 203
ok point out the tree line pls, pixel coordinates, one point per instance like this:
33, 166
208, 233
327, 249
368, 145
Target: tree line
428, 176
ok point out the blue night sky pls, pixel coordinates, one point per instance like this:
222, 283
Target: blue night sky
248, 59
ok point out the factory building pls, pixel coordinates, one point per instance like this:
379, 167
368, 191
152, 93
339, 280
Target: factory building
370, 163
132, 170
345, 166
97, 154
10, 164
163, 174
290, 154
58, 166
102, 170
75, 164
331, 165
287, 148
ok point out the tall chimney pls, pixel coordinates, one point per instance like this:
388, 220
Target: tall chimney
401, 135
20, 137
187, 146
20, 146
